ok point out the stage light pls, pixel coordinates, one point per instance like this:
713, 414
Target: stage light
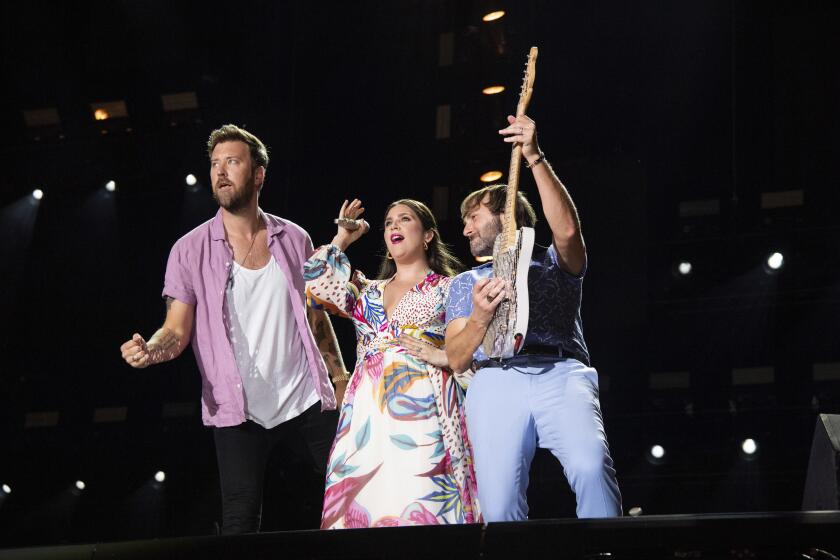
655, 454
160, 476
749, 446
493, 90
43, 123
635, 511
684, 268
7, 489
775, 261
37, 194
181, 108
491, 176
80, 485
111, 186
110, 111
493, 16
191, 180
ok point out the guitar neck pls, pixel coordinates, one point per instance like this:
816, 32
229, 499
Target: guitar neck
509, 226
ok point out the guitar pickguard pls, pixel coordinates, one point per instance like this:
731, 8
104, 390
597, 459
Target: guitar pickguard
506, 334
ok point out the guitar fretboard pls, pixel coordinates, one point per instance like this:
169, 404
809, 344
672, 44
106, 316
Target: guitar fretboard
509, 225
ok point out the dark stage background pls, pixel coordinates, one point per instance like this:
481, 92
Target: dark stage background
703, 131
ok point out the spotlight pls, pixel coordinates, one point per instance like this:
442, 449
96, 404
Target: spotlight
101, 114
80, 484
655, 454
191, 180
491, 176
37, 194
160, 476
775, 261
493, 90
493, 16
635, 511
7, 489
111, 186
749, 447
684, 268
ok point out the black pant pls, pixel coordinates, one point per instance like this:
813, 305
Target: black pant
243, 451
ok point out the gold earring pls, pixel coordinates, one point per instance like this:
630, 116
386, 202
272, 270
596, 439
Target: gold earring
388, 256
425, 246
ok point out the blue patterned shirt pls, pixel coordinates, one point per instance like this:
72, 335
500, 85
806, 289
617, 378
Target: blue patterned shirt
554, 304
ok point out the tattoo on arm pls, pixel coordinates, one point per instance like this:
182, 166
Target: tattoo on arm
326, 340
164, 345
169, 301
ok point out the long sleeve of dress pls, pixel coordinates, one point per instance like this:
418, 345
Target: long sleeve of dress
328, 281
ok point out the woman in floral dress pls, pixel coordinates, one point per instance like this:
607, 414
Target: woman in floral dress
400, 455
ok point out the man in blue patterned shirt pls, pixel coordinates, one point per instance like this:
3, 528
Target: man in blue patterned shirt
548, 394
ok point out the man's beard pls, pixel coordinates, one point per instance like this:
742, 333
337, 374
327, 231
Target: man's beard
482, 244
237, 200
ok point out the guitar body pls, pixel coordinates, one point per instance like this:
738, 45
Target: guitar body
506, 334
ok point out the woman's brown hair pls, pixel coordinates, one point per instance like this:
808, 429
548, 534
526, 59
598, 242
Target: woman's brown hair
441, 259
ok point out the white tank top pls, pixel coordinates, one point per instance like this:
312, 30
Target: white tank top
267, 345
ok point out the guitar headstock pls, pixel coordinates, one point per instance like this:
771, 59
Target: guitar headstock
527, 82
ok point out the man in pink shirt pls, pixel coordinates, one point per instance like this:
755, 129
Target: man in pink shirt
234, 288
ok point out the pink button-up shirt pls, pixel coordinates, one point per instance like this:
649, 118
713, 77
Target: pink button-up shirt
197, 273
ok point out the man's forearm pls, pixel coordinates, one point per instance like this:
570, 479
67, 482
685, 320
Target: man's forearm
164, 345
557, 204
327, 342
460, 347
562, 218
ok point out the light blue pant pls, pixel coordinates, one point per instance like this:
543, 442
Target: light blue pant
538, 400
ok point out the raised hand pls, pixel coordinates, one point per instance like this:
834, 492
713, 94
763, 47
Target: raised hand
424, 351
136, 352
523, 130
350, 226
487, 294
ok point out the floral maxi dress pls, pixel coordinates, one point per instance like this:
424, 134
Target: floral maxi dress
400, 455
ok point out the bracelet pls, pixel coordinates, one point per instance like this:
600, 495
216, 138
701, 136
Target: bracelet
341, 377
537, 161
348, 223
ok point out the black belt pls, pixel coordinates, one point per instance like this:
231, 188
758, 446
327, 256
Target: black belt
539, 350
529, 350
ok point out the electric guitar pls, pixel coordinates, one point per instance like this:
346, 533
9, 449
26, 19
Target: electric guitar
512, 252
